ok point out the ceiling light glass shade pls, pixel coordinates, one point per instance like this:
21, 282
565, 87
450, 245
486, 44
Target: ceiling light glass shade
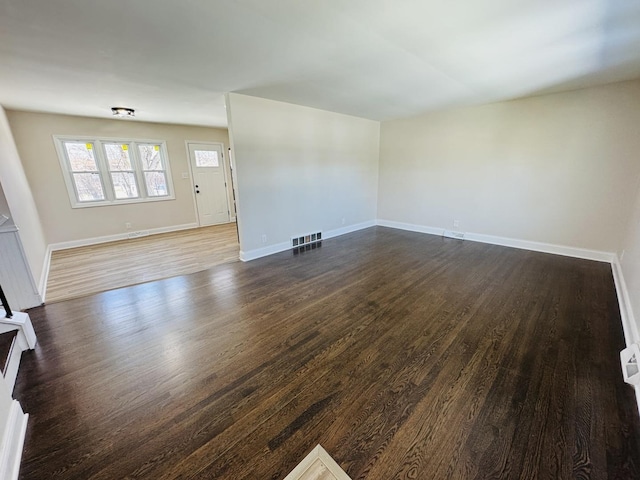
123, 112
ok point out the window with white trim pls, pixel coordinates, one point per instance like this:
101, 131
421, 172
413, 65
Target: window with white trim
101, 171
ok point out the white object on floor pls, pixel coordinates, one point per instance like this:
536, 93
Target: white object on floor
318, 465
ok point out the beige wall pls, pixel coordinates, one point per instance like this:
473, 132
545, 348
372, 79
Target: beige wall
559, 169
20, 201
33, 135
300, 169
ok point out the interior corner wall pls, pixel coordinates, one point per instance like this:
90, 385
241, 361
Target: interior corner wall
560, 169
300, 170
20, 201
33, 133
630, 264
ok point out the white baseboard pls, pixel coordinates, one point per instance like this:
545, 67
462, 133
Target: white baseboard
348, 229
264, 252
281, 247
118, 236
566, 251
44, 276
410, 227
509, 242
12, 442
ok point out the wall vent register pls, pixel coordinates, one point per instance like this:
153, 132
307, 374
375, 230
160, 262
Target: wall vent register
308, 241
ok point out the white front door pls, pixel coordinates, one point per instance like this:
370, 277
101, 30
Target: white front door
209, 183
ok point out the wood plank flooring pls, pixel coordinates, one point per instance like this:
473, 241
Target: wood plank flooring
81, 271
404, 355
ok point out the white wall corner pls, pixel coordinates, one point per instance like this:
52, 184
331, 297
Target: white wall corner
263, 252
629, 324
410, 227
348, 229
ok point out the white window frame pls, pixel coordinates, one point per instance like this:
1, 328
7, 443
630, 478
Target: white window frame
105, 172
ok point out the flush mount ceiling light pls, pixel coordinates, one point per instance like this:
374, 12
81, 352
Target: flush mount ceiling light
123, 112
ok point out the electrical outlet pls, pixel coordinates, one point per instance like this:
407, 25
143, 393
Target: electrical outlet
127, 225
264, 238
456, 223
344, 220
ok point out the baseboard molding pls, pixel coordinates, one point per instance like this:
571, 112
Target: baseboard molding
349, 229
281, 247
44, 276
566, 251
264, 252
13, 442
118, 236
510, 242
410, 227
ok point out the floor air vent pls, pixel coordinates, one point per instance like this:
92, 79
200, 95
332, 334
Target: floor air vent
309, 241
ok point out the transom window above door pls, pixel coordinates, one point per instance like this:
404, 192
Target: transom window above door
113, 171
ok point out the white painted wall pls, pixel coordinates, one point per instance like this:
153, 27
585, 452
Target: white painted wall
33, 134
20, 201
560, 169
5, 403
300, 169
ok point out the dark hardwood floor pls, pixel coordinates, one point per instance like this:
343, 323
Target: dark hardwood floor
404, 355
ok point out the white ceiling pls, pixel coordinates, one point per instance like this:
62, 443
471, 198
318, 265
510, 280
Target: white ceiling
172, 60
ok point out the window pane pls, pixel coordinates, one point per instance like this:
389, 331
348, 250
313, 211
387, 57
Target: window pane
124, 185
150, 156
81, 158
156, 184
206, 158
88, 186
118, 157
